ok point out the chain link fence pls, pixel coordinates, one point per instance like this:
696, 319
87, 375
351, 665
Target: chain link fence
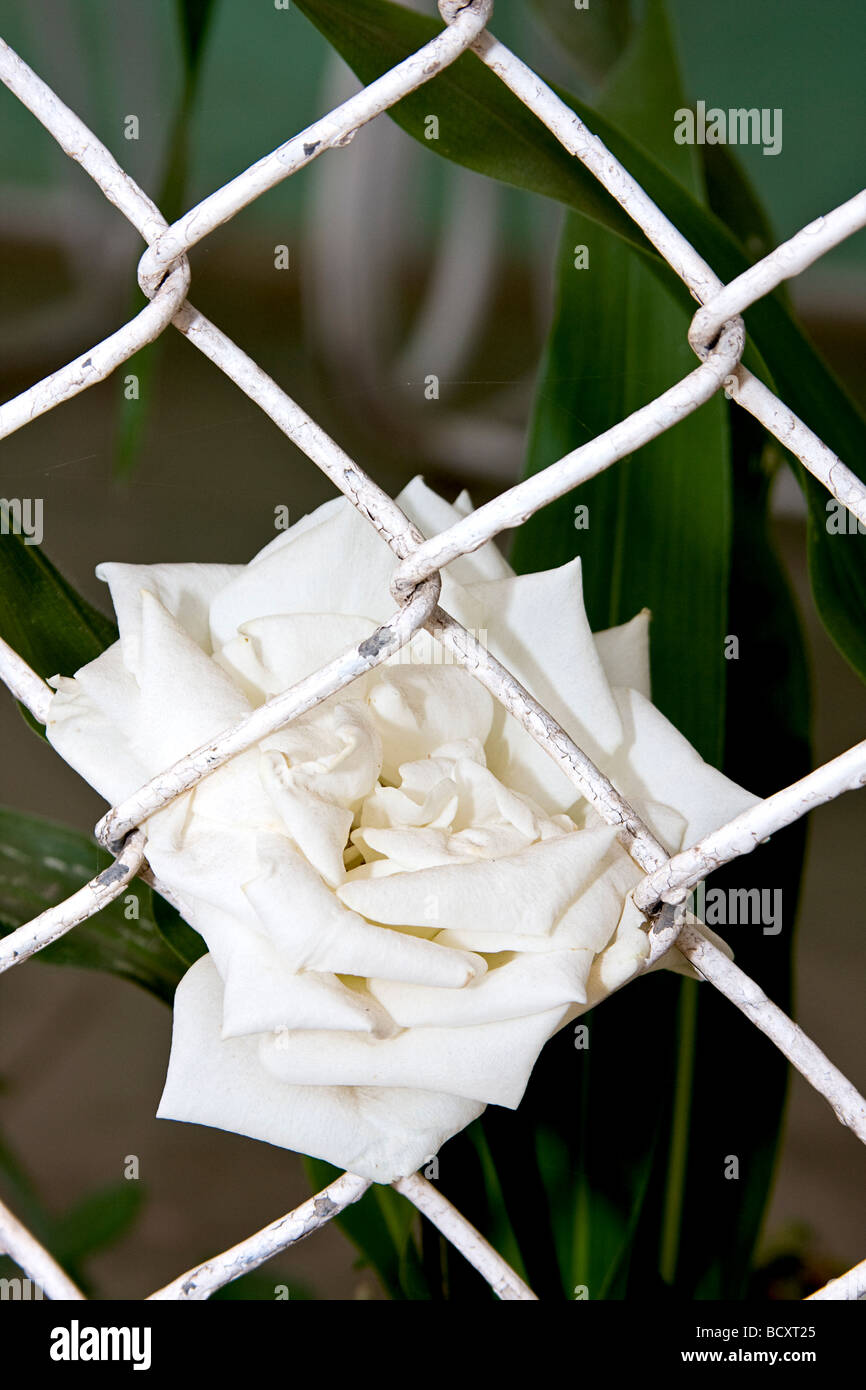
717, 336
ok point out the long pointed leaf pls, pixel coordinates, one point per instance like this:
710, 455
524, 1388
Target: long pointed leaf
484, 127
41, 863
51, 626
593, 38
660, 535
381, 1226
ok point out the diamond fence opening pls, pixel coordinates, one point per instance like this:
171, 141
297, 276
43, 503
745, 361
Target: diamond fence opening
717, 335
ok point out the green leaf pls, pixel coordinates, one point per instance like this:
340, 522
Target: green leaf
642, 90
661, 536
195, 17
659, 523
658, 533
100, 1220
183, 939
481, 125
727, 1115
41, 864
658, 537
618, 1149
51, 626
381, 1226
519, 1222
484, 127
767, 688
732, 197
593, 38
767, 746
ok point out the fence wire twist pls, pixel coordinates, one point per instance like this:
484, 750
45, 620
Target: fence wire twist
717, 336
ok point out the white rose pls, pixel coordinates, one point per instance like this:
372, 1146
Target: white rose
402, 895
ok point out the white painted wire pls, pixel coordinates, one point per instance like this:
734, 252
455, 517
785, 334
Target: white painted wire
718, 338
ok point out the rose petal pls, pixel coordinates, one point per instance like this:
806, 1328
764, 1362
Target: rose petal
264, 994
488, 1062
432, 514
338, 566
656, 763
380, 1134
317, 517
208, 873
271, 654
589, 923
623, 958
319, 826
523, 985
185, 698
417, 708
184, 591
90, 720
314, 931
624, 652
431, 808
538, 629
526, 893
329, 763
424, 848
